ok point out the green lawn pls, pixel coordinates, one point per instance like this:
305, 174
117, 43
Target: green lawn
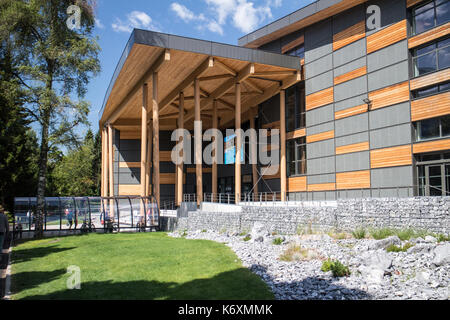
132, 266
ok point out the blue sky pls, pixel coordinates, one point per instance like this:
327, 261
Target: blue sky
217, 20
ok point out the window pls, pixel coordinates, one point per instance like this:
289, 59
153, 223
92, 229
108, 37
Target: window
433, 128
296, 157
428, 91
295, 108
433, 173
430, 15
297, 52
432, 57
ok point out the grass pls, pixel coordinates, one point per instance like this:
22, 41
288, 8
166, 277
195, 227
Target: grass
277, 241
336, 267
394, 248
405, 234
132, 266
359, 233
247, 238
297, 253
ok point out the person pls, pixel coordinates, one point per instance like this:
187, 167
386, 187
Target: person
4, 226
69, 216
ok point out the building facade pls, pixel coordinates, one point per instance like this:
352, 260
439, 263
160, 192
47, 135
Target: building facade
369, 115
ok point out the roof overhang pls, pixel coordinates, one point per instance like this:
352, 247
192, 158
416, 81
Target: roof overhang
179, 61
306, 16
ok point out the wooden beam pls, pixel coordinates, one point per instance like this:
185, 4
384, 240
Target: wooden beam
216, 77
144, 142
274, 73
237, 163
198, 143
156, 174
207, 63
155, 67
252, 84
179, 177
283, 181
215, 155
226, 68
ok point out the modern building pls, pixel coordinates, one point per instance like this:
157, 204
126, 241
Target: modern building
359, 90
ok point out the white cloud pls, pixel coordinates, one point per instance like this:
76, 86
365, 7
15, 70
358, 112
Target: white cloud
99, 24
135, 19
183, 12
215, 27
247, 18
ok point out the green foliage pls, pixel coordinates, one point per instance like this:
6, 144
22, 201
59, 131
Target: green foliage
204, 231
442, 237
277, 241
403, 234
336, 267
394, 248
247, 238
382, 233
359, 233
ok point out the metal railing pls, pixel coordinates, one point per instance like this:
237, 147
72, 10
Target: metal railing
71, 213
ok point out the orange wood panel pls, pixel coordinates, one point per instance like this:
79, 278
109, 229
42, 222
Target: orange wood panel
389, 96
387, 36
350, 75
297, 184
429, 35
353, 180
130, 135
349, 35
350, 112
204, 170
391, 157
291, 45
410, 3
129, 189
129, 164
431, 146
357, 147
322, 187
319, 99
430, 107
296, 134
169, 178
165, 156
320, 136
430, 79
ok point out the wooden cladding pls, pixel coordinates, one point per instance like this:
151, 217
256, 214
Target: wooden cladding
296, 134
350, 112
319, 99
350, 75
165, 156
411, 3
320, 136
349, 35
430, 79
353, 180
129, 165
431, 146
391, 157
291, 45
357, 147
169, 178
428, 36
129, 189
297, 184
204, 170
130, 135
387, 36
430, 107
389, 96
322, 187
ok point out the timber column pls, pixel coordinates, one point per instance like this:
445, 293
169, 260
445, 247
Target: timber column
237, 163
111, 170
144, 146
198, 142
156, 175
215, 125
283, 144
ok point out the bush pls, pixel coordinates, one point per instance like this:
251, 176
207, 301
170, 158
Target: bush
359, 233
204, 231
336, 267
247, 238
277, 241
442, 237
394, 248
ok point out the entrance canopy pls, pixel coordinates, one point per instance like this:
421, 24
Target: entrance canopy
180, 61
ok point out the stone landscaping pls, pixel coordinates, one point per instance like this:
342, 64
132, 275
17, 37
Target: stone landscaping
291, 265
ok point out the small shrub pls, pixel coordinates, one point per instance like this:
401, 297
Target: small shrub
382, 233
247, 238
394, 248
407, 234
277, 241
297, 253
184, 234
442, 237
204, 231
336, 267
359, 233
243, 233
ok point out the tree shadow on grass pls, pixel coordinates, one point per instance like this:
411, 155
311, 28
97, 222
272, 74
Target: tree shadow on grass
24, 255
30, 280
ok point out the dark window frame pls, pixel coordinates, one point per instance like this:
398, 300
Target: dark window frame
414, 15
299, 107
294, 50
438, 86
435, 50
298, 143
418, 125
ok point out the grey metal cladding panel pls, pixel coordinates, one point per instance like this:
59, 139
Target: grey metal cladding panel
291, 37
321, 166
319, 115
274, 46
151, 38
348, 18
130, 156
349, 53
278, 24
303, 12
353, 162
352, 139
320, 128
130, 171
352, 125
189, 44
350, 88
350, 67
323, 178
390, 136
275, 59
392, 177
389, 76
318, 34
243, 41
318, 51
323, 4
319, 66
320, 149
387, 56
128, 145
223, 50
391, 12
127, 178
390, 116
257, 34
350, 103
319, 83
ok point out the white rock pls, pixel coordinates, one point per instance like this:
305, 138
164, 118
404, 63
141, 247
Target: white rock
430, 239
384, 243
379, 259
441, 255
423, 276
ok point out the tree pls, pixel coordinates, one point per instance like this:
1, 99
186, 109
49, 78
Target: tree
56, 65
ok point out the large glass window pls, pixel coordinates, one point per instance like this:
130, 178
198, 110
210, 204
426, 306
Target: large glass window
297, 52
428, 91
295, 108
430, 15
433, 173
433, 128
296, 157
432, 57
